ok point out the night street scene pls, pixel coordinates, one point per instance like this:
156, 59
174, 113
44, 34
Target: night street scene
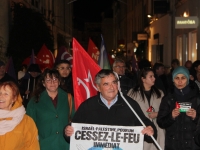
99, 75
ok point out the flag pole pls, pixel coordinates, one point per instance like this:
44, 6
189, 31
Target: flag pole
139, 120
134, 111
28, 88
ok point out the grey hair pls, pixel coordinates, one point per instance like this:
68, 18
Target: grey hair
117, 60
102, 74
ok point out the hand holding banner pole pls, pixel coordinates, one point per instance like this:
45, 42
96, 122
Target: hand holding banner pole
135, 112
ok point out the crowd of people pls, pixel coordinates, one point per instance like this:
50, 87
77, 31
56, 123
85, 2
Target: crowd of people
37, 110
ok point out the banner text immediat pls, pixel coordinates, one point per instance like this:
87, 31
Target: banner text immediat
92, 136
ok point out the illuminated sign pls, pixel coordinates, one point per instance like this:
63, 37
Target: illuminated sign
141, 37
186, 22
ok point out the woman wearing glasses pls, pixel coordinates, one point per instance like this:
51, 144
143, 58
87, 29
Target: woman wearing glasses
50, 110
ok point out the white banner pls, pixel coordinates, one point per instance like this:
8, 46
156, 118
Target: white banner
105, 137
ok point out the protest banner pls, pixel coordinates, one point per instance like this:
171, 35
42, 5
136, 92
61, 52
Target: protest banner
106, 137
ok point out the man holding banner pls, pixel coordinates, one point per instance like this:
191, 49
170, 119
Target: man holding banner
109, 108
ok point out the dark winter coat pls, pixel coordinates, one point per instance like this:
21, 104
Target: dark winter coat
94, 111
179, 131
126, 84
27, 81
67, 84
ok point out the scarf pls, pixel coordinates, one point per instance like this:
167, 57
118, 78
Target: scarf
10, 119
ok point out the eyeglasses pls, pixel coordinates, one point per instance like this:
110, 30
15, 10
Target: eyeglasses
123, 67
49, 80
64, 68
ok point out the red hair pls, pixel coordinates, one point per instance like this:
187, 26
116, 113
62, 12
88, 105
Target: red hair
13, 87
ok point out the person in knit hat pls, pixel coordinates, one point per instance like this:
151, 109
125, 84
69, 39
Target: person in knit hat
179, 112
181, 70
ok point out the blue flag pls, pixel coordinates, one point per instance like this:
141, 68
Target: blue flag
103, 57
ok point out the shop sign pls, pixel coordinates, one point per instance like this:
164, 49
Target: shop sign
186, 22
141, 37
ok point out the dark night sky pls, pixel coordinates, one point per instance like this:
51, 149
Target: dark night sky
90, 11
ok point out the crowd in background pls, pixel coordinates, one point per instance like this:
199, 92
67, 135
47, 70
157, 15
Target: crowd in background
48, 99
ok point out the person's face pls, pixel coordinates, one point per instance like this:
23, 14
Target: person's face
188, 65
2, 70
51, 84
197, 68
34, 74
180, 81
160, 71
149, 80
64, 70
119, 68
108, 87
6, 98
174, 65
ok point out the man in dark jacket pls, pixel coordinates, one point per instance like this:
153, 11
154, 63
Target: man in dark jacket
28, 82
126, 83
108, 108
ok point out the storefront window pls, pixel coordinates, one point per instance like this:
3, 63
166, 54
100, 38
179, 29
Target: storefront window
179, 47
192, 53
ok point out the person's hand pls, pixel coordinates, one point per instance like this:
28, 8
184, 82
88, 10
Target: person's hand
69, 130
175, 112
191, 113
152, 115
27, 92
148, 131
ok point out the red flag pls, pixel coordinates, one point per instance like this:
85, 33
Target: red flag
28, 60
177, 105
63, 54
93, 51
84, 71
150, 109
46, 57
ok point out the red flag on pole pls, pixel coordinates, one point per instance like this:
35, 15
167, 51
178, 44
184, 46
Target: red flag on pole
63, 54
84, 71
46, 57
93, 51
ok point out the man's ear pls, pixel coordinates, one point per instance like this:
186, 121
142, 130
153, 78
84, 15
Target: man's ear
98, 87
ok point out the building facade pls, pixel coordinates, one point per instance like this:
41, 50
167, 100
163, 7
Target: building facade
151, 29
57, 13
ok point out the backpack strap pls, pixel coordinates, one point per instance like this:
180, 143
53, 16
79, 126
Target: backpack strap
70, 106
